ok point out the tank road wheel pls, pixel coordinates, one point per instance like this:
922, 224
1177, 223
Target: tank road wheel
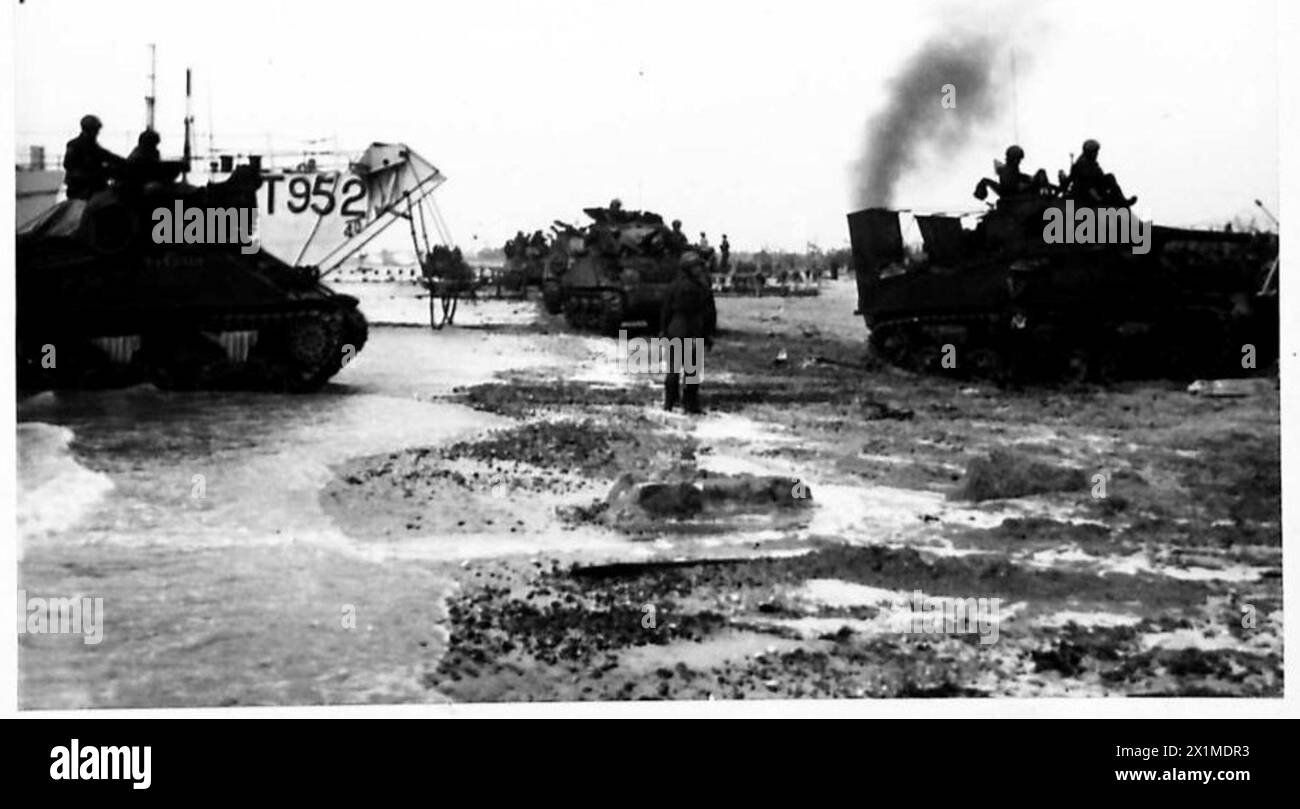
1080, 366
610, 315
310, 342
300, 354
552, 300
355, 330
986, 363
316, 351
184, 361
573, 313
885, 343
905, 346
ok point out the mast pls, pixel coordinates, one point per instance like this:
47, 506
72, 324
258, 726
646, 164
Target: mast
212, 148
189, 125
151, 100
1015, 99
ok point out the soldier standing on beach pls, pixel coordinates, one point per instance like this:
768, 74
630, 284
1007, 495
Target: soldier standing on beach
688, 314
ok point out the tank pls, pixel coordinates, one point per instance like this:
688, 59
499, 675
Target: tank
567, 242
525, 263
615, 271
100, 303
996, 301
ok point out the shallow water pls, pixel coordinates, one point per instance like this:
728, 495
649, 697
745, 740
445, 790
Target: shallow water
196, 517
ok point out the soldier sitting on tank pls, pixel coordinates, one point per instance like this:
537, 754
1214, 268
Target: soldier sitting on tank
1011, 182
1088, 183
675, 239
604, 240
618, 216
536, 246
87, 166
144, 165
512, 247
688, 313
146, 148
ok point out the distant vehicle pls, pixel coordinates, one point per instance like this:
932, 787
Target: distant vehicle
615, 271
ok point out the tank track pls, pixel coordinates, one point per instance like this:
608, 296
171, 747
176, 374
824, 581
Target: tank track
600, 311
552, 298
918, 343
1010, 348
295, 350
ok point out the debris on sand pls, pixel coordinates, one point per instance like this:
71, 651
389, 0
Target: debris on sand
1229, 388
679, 500
1004, 474
632, 503
878, 411
748, 492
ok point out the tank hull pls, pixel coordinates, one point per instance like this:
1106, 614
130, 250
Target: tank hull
1192, 306
104, 312
612, 274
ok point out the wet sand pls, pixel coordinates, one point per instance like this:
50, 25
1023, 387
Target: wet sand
452, 486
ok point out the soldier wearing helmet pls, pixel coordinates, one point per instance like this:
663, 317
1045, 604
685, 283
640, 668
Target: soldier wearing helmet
146, 148
145, 168
688, 313
616, 214
87, 166
1091, 185
675, 239
1011, 182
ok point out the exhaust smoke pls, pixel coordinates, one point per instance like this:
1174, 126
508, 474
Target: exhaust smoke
915, 119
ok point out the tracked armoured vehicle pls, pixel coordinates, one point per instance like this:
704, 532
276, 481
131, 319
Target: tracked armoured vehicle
100, 303
616, 271
567, 242
998, 302
525, 263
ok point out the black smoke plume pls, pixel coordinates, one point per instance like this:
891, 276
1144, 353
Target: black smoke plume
914, 121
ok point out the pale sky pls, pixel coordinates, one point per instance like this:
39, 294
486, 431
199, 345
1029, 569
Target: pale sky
741, 118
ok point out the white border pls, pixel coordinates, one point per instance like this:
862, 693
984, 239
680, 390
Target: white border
1288, 33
